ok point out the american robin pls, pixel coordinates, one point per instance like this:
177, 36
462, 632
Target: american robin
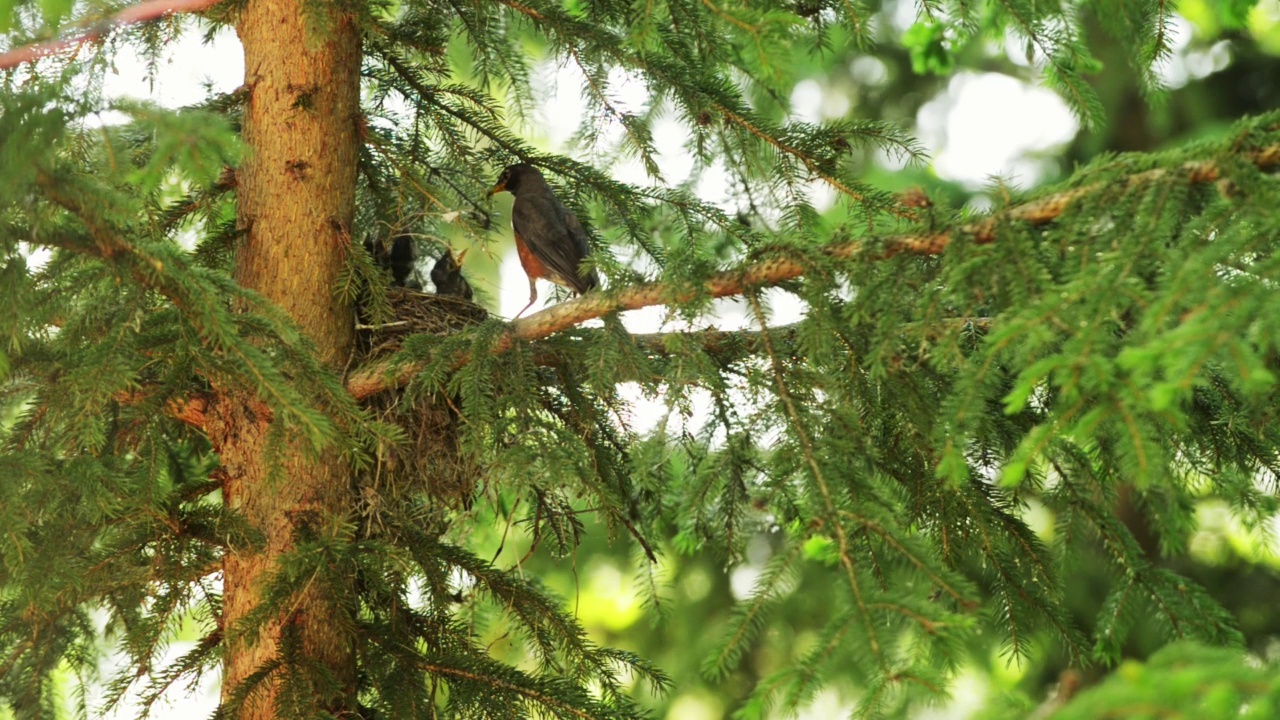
398, 258
550, 241
446, 275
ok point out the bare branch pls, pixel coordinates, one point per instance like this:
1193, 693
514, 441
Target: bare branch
188, 411
142, 12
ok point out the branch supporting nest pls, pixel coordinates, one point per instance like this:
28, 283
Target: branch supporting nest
773, 271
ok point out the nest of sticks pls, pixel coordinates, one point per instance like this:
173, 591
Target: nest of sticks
428, 462
415, 312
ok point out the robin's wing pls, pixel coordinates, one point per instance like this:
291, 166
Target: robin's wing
579, 233
554, 236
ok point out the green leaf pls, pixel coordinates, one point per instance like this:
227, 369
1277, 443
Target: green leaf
926, 42
953, 467
1234, 14
1032, 444
53, 11
822, 549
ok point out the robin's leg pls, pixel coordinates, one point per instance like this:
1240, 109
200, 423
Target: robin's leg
533, 295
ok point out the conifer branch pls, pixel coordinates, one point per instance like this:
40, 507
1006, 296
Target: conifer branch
499, 683
914, 559
15, 655
824, 488
805, 158
142, 12
643, 149
106, 245
198, 199
149, 271
189, 411
524, 9
750, 614
772, 271
1079, 93
728, 105
723, 343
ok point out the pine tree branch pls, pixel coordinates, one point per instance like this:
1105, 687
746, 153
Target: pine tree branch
776, 270
724, 343
142, 12
189, 411
15, 655
149, 270
819, 478
727, 344
804, 158
106, 244
492, 680
772, 271
197, 199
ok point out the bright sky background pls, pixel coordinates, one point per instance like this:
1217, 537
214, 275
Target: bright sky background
967, 141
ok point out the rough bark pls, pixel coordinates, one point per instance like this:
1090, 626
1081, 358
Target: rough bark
296, 204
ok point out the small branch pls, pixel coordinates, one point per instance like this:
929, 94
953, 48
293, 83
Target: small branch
1070, 682
716, 342
382, 376
729, 345
497, 682
383, 326
142, 12
106, 243
524, 9
197, 199
189, 411
809, 451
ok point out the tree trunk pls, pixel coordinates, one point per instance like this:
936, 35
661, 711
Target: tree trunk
296, 191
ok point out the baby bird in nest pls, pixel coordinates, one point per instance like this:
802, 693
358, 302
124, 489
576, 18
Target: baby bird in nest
446, 275
397, 258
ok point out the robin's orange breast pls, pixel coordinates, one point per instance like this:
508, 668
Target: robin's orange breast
533, 267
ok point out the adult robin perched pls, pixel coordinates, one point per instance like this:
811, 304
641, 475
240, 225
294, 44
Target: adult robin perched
446, 275
550, 241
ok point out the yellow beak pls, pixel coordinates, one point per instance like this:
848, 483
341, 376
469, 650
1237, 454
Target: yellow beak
496, 189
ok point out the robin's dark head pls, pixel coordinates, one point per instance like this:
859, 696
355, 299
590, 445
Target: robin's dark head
515, 177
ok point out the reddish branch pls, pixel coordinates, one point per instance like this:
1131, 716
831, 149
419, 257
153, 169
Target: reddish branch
142, 12
770, 272
386, 375
189, 411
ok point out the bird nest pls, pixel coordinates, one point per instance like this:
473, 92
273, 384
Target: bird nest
428, 461
414, 312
